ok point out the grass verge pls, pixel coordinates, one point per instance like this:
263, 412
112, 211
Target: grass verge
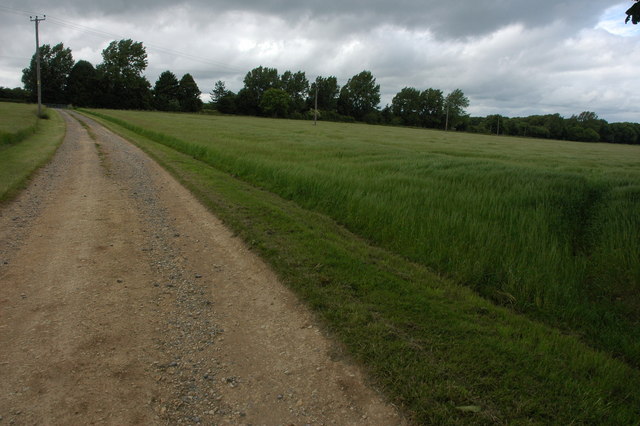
19, 161
17, 122
437, 348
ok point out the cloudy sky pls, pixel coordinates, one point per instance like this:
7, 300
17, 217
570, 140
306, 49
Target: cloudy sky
511, 57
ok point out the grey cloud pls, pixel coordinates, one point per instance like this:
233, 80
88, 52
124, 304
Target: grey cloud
446, 19
512, 58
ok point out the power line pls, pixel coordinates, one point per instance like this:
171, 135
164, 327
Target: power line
105, 34
16, 11
22, 58
151, 46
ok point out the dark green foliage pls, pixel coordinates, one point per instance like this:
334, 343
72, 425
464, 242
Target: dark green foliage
360, 96
121, 80
407, 106
633, 14
256, 82
625, 133
166, 92
297, 87
227, 103
328, 91
585, 127
55, 65
189, 94
219, 91
578, 133
124, 59
16, 94
425, 109
82, 85
275, 103
432, 108
454, 105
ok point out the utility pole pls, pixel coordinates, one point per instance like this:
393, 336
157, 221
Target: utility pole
38, 82
446, 123
315, 111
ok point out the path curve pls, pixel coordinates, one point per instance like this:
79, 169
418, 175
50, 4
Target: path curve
124, 301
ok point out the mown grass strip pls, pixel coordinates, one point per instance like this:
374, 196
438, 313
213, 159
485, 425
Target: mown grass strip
436, 347
19, 161
547, 228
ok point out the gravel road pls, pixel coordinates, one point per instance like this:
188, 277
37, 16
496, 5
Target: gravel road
124, 301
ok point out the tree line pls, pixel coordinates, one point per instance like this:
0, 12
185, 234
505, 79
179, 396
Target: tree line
118, 82
584, 127
291, 95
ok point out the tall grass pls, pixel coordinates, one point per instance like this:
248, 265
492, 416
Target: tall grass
548, 228
17, 122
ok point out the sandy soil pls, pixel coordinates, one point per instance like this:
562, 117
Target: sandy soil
124, 301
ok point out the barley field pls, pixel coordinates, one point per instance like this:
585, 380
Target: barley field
550, 229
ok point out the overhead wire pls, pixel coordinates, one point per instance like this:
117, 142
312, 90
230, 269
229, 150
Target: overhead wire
221, 66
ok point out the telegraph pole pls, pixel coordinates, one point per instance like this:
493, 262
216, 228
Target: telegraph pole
38, 82
446, 123
315, 112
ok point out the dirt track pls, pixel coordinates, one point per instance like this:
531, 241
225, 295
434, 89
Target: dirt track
123, 301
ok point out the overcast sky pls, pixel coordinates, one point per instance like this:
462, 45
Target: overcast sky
510, 57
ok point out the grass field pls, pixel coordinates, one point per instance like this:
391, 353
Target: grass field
407, 241
26, 143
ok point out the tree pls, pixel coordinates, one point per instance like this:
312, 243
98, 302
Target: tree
219, 91
407, 106
581, 134
246, 102
297, 86
625, 133
227, 103
55, 65
256, 83
586, 117
82, 85
633, 13
166, 92
121, 75
275, 103
15, 94
328, 92
189, 94
556, 125
124, 58
360, 96
432, 108
455, 102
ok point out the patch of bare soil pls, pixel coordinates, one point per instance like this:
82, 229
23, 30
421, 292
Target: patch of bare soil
124, 301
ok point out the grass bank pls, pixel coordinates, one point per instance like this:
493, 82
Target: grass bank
435, 345
17, 122
32, 144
